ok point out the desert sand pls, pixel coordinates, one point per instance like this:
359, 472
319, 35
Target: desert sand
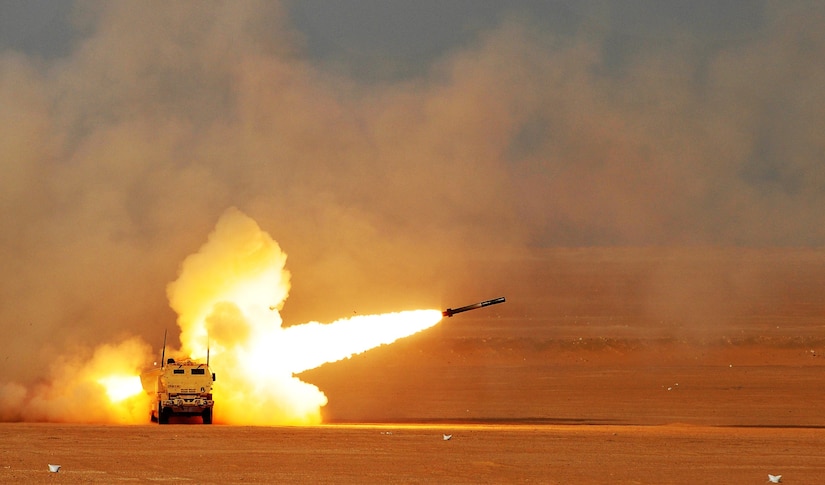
620, 366
410, 454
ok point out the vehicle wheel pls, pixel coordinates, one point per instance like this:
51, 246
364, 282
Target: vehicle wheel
207, 416
163, 415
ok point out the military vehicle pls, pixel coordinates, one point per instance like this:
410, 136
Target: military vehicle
179, 389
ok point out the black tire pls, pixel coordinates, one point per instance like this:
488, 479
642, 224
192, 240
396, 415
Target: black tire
163, 415
207, 416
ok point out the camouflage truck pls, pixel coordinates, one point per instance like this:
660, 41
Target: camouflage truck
179, 389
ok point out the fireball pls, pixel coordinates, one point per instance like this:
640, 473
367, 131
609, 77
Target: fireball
227, 296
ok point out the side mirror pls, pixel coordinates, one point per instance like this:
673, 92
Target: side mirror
213, 377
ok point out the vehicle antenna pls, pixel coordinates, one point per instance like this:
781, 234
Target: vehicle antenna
163, 353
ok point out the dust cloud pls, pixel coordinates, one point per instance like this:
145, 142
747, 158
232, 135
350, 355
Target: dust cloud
75, 391
227, 296
119, 156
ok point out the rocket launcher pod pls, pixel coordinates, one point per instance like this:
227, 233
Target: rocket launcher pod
450, 311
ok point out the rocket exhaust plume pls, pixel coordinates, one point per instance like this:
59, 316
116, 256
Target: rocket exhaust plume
227, 296
230, 292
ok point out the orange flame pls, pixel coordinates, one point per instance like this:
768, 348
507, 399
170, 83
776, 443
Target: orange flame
119, 388
227, 297
99, 389
229, 294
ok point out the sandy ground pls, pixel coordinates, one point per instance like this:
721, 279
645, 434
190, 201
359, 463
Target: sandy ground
602, 367
597, 415
410, 454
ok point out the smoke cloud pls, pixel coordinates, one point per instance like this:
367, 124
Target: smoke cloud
228, 297
74, 390
119, 157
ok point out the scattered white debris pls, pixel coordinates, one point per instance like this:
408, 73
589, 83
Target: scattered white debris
386, 432
447, 437
774, 478
54, 468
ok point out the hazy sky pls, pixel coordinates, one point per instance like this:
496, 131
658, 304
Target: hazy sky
381, 141
615, 122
